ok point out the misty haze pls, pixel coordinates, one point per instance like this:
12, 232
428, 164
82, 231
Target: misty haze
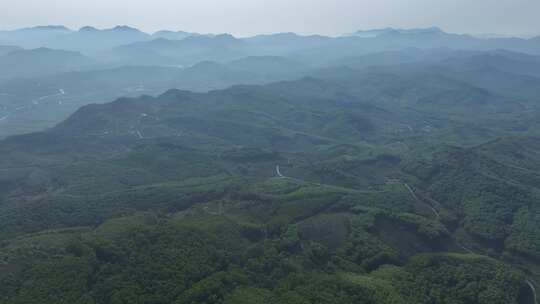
313, 152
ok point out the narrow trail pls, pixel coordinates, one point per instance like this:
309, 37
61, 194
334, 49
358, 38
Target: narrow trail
281, 175
139, 134
465, 248
38, 100
411, 191
533, 289
437, 215
279, 172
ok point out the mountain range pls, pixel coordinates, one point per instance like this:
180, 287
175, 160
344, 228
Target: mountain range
388, 166
370, 183
89, 39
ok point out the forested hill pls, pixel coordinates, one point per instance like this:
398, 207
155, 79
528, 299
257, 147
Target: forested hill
344, 187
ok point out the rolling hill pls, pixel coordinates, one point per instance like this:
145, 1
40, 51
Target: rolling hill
195, 178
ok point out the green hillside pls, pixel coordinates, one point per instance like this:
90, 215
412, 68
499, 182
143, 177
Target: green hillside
321, 190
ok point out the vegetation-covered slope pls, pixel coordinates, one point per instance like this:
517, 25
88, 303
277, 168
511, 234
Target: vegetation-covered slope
333, 190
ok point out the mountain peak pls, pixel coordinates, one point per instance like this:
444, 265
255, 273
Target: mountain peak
170, 32
47, 28
171, 35
213, 38
389, 30
125, 28
88, 29
225, 37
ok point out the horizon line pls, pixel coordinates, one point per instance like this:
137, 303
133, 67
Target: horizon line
434, 27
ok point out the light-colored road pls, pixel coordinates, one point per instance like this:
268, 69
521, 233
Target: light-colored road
281, 175
38, 100
465, 248
533, 289
437, 215
3, 118
279, 172
139, 134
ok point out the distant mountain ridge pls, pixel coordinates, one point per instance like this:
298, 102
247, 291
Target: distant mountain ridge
86, 39
201, 62
60, 28
41, 61
89, 39
389, 30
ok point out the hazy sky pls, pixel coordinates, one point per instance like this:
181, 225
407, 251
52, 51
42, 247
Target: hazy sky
246, 17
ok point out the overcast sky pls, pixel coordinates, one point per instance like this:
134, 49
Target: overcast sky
247, 17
